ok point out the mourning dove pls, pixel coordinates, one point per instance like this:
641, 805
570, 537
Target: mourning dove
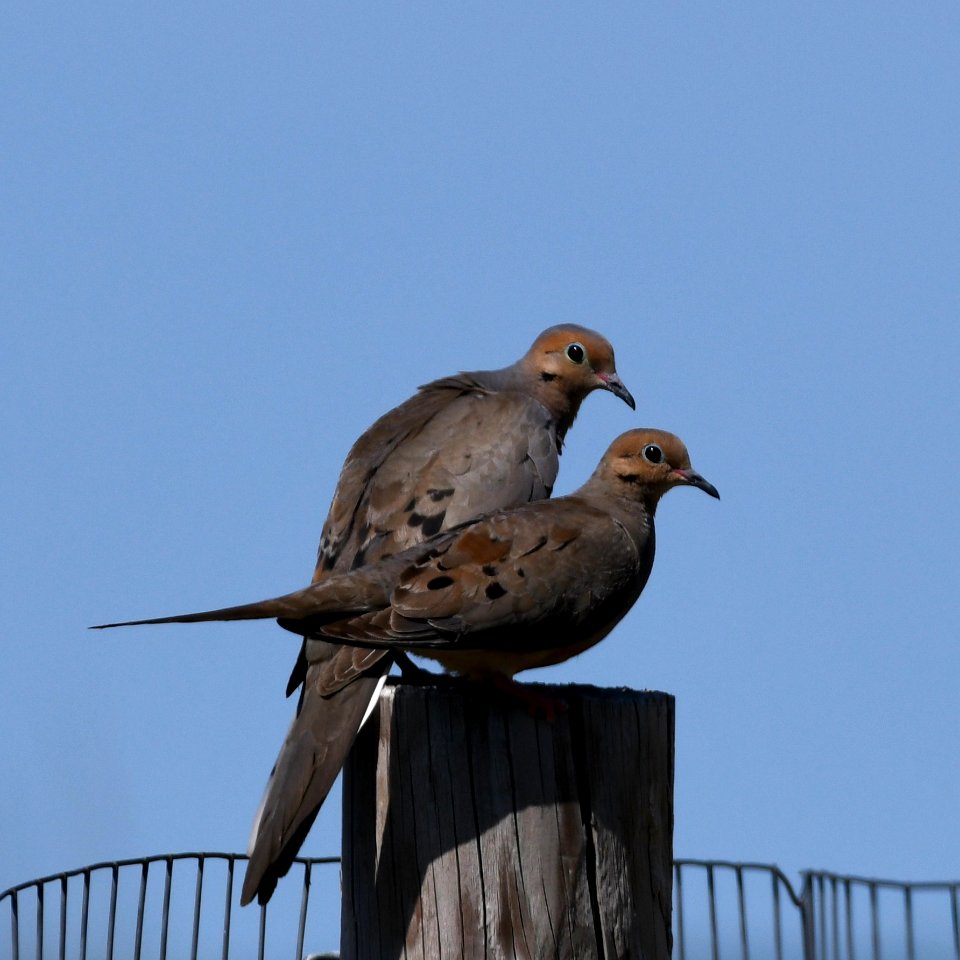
461, 447
525, 587
521, 588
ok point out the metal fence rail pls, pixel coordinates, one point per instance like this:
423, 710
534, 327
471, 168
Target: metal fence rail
187, 905
723, 909
849, 918
171, 905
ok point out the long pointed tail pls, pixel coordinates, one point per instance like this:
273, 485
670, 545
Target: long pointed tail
292, 605
313, 752
295, 606
330, 598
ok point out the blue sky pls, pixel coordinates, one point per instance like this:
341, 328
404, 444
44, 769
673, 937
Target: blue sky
235, 234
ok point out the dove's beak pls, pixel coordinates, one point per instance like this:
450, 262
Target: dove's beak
693, 479
613, 383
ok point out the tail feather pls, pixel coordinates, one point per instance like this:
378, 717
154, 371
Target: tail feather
292, 606
329, 599
310, 760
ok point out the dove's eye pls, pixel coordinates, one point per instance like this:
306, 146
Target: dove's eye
576, 353
652, 453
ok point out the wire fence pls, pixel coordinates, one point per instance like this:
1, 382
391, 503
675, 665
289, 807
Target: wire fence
723, 909
187, 905
852, 917
171, 906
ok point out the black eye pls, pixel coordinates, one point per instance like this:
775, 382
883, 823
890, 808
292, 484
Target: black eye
652, 453
576, 353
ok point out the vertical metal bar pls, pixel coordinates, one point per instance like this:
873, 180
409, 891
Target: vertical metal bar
115, 877
225, 951
807, 912
714, 940
39, 947
955, 911
848, 913
908, 919
63, 919
196, 909
303, 911
141, 905
822, 903
742, 906
15, 924
263, 932
874, 921
680, 939
835, 917
84, 915
777, 929
165, 915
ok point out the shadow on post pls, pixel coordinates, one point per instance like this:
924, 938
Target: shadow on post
473, 829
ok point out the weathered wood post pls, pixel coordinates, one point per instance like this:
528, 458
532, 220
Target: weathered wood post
471, 830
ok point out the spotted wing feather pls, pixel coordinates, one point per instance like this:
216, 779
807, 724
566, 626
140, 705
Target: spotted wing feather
451, 453
546, 565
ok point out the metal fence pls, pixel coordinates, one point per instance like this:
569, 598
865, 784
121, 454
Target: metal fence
735, 910
751, 911
853, 917
171, 906
186, 905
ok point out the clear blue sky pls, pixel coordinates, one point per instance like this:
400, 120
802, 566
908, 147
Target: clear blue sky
234, 234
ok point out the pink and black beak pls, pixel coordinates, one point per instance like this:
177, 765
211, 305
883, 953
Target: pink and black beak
693, 479
613, 383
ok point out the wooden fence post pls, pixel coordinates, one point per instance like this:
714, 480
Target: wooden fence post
471, 830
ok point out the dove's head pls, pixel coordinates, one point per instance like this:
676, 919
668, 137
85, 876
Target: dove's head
566, 363
644, 464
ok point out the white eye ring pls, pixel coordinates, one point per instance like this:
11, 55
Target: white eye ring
653, 454
576, 352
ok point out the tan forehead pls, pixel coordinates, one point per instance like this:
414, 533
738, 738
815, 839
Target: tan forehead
557, 339
631, 443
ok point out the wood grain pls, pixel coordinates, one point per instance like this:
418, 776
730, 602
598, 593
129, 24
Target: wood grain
471, 830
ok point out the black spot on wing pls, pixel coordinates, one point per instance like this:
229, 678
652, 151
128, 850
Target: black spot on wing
439, 583
436, 495
432, 525
494, 591
489, 569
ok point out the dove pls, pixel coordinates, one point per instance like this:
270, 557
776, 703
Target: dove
461, 447
525, 587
